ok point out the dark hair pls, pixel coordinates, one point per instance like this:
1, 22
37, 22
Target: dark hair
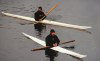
40, 7
52, 30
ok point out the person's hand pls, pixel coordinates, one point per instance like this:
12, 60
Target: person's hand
40, 19
55, 44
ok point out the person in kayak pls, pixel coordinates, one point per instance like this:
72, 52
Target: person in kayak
39, 15
51, 41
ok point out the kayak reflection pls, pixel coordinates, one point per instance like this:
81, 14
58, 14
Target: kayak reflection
51, 54
39, 27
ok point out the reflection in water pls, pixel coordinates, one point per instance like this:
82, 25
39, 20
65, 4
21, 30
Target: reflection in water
39, 28
51, 54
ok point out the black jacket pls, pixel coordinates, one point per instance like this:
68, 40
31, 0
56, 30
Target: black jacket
50, 40
39, 15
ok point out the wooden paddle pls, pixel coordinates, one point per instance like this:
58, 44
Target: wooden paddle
43, 48
51, 9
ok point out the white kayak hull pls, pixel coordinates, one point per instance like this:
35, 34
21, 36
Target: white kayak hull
59, 49
48, 22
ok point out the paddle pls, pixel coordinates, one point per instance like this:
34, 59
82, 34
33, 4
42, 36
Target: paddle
51, 9
43, 48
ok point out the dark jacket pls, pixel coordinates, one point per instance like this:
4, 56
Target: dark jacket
39, 15
50, 40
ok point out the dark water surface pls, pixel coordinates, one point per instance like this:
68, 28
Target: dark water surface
15, 47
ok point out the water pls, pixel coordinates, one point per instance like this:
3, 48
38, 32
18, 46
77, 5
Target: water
15, 47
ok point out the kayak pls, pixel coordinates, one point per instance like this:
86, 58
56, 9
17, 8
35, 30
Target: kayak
77, 27
58, 48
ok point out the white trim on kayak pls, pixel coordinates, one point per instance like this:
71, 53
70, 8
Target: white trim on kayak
62, 50
48, 22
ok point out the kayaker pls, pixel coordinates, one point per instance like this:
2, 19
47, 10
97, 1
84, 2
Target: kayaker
39, 15
52, 41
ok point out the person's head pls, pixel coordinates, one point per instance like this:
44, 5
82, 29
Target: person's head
40, 8
52, 32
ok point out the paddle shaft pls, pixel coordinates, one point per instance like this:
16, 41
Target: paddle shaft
51, 9
43, 48
67, 42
